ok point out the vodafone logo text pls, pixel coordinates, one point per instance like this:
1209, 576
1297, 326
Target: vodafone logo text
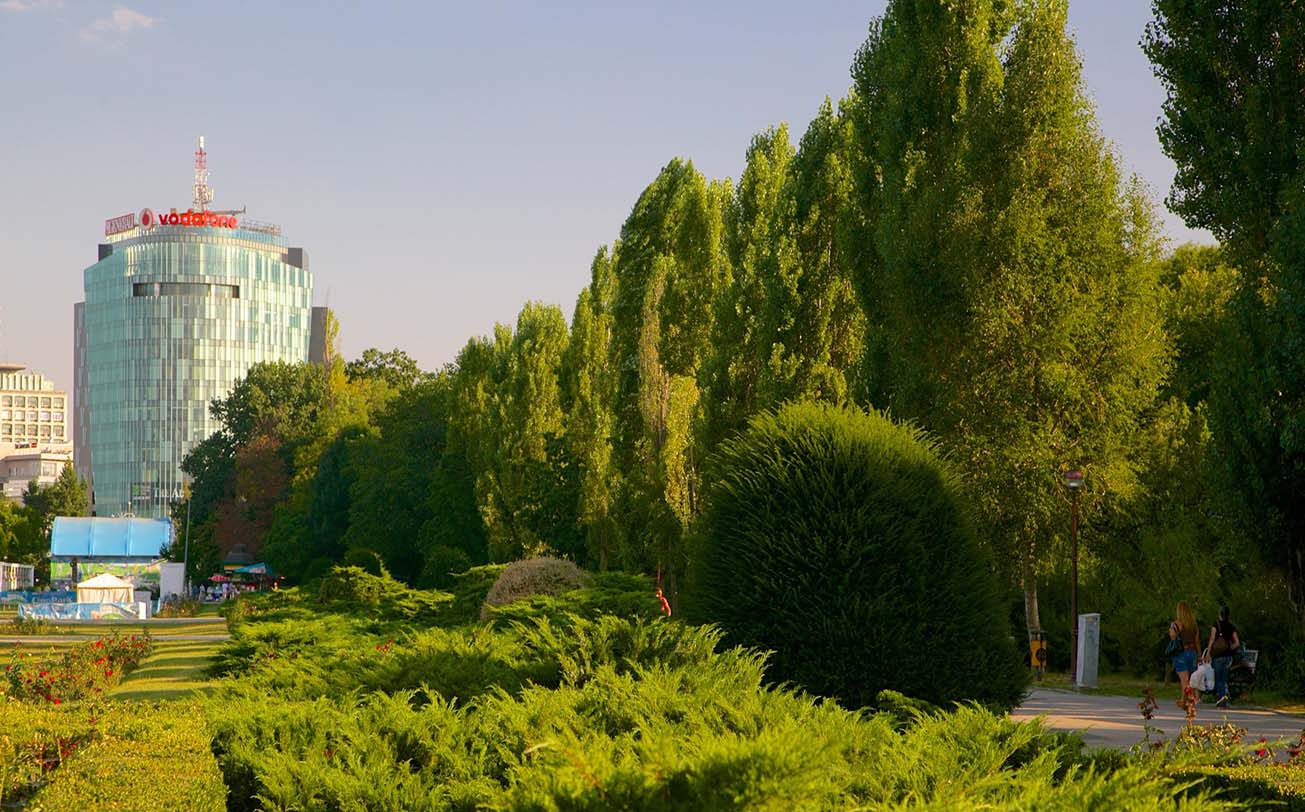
148, 219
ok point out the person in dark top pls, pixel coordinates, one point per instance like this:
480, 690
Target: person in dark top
1219, 652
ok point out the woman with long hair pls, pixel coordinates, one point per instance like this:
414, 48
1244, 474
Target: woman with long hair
1184, 629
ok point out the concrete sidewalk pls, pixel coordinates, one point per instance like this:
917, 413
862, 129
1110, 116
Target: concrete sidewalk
1115, 721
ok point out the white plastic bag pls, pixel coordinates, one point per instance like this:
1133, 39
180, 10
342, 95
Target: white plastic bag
1203, 677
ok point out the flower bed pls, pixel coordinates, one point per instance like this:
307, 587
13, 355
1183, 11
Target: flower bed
83, 671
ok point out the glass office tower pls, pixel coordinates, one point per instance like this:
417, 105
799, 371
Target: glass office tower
174, 316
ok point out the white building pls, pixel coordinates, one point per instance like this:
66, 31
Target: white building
34, 439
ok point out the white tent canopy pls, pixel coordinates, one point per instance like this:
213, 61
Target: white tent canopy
105, 588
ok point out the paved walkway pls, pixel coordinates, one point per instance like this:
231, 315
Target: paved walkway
1114, 721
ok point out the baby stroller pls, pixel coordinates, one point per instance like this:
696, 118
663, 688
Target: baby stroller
1241, 674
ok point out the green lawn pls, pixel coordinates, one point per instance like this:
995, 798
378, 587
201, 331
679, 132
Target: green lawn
173, 671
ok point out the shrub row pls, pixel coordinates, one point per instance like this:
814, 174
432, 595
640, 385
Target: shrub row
632, 714
99, 757
85, 670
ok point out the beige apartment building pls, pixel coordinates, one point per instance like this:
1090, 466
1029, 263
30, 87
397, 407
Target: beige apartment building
34, 439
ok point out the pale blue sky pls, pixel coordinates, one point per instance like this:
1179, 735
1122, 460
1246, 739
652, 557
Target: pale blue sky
441, 162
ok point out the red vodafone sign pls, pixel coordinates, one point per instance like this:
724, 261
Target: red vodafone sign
205, 219
147, 220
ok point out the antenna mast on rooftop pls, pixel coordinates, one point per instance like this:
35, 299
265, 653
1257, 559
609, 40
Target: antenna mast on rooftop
203, 192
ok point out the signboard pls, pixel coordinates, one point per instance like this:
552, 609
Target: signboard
147, 220
28, 596
206, 219
142, 575
124, 222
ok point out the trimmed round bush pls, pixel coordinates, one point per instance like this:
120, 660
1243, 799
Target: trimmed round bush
840, 541
530, 577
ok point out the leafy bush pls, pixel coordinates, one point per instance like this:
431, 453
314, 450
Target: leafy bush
613, 593
141, 759
840, 541
533, 576
81, 672
34, 741
1286, 673
175, 606
470, 589
353, 588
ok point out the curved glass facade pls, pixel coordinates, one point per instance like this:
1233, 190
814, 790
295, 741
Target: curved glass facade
173, 317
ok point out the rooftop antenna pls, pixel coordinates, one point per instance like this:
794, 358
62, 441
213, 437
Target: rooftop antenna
203, 192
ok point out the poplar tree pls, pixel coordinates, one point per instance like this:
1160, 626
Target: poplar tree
819, 327
669, 271
1012, 289
1234, 72
523, 418
762, 257
589, 390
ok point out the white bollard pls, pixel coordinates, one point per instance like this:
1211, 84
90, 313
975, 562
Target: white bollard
1089, 649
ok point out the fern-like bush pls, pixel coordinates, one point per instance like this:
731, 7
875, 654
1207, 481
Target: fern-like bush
533, 576
840, 541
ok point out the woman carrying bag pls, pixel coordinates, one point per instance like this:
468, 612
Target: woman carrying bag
1223, 645
1183, 639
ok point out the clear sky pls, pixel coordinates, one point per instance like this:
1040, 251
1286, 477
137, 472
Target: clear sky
442, 162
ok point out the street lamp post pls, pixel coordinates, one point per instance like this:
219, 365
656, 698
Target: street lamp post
1073, 481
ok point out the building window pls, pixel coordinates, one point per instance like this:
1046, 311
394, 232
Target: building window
58, 403
7, 400
31, 416
58, 417
45, 403
7, 428
45, 417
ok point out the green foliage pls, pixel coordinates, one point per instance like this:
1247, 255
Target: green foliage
395, 367
174, 606
533, 576
142, 761
1011, 290
355, 589
613, 593
470, 589
1232, 72
83, 672
840, 541
1255, 786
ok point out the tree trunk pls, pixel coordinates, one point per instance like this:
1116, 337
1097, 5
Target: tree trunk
1029, 578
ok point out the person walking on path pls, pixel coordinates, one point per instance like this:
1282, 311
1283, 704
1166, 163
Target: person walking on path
1219, 652
1183, 629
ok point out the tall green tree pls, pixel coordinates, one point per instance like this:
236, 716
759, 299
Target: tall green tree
1013, 286
1234, 73
763, 258
671, 268
589, 387
519, 417
819, 325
